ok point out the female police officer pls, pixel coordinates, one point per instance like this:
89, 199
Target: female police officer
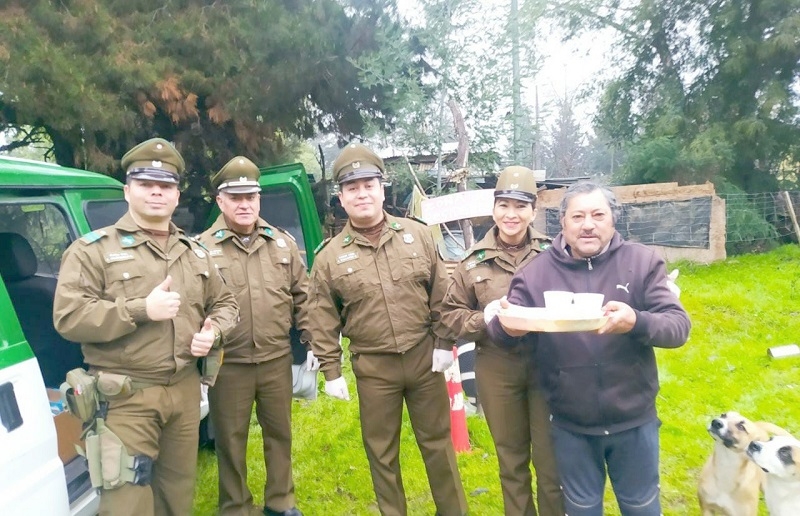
508, 391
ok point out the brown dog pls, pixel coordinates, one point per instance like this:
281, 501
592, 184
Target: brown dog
730, 482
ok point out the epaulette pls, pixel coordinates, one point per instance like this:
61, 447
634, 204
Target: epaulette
287, 232
321, 245
92, 237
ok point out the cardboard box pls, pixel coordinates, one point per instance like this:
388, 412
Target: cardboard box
68, 428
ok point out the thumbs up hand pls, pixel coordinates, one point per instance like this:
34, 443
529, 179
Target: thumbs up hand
160, 303
204, 339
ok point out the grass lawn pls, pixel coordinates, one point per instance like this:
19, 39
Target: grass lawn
738, 308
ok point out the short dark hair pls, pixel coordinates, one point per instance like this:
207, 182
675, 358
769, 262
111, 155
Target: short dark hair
585, 187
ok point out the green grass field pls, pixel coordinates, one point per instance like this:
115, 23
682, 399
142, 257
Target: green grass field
738, 308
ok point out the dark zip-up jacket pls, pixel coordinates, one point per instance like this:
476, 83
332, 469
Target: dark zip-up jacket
601, 384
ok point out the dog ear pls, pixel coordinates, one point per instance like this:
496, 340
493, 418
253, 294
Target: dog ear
771, 429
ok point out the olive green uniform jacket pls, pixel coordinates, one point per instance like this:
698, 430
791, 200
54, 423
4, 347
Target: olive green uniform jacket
483, 276
385, 299
270, 283
100, 301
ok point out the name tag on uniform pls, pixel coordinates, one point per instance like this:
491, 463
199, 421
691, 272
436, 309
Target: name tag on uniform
215, 252
118, 257
346, 257
471, 265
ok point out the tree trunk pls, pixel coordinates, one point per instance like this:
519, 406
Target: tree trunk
462, 157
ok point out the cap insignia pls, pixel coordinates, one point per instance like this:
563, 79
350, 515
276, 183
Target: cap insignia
514, 186
157, 163
159, 146
356, 164
243, 179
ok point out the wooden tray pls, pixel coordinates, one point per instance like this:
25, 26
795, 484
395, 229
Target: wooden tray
540, 319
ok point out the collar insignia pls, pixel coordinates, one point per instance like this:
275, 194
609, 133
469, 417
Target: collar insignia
219, 234
127, 240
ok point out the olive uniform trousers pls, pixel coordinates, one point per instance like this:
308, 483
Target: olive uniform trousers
519, 420
269, 385
163, 423
383, 381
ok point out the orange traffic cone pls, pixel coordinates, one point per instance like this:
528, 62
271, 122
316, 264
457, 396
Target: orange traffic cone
458, 414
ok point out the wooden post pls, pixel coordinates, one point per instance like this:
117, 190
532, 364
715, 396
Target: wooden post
792, 214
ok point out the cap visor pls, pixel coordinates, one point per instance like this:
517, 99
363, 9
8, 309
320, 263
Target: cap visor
241, 189
517, 196
162, 177
360, 174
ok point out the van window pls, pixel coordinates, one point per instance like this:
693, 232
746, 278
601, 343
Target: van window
44, 226
279, 208
102, 213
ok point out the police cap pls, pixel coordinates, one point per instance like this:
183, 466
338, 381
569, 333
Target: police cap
516, 182
238, 176
154, 160
357, 162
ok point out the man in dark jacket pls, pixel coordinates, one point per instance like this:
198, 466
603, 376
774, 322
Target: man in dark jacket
601, 386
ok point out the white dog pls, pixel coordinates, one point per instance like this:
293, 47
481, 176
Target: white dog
780, 458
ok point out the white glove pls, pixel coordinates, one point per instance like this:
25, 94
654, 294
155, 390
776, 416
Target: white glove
337, 388
442, 359
312, 362
492, 309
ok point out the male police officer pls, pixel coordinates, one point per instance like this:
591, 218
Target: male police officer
145, 302
262, 266
380, 282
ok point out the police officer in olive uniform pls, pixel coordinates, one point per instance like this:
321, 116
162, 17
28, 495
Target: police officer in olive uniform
380, 282
507, 383
145, 301
262, 266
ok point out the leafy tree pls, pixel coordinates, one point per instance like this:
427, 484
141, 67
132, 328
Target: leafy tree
565, 151
216, 78
706, 88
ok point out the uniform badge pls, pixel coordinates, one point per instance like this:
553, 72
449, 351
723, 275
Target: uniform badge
544, 246
481, 255
219, 234
395, 225
346, 257
347, 239
118, 257
200, 254
281, 242
127, 240
268, 231
408, 238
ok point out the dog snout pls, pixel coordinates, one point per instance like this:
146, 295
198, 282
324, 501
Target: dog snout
717, 424
754, 447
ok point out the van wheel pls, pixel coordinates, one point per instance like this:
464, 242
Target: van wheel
206, 433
